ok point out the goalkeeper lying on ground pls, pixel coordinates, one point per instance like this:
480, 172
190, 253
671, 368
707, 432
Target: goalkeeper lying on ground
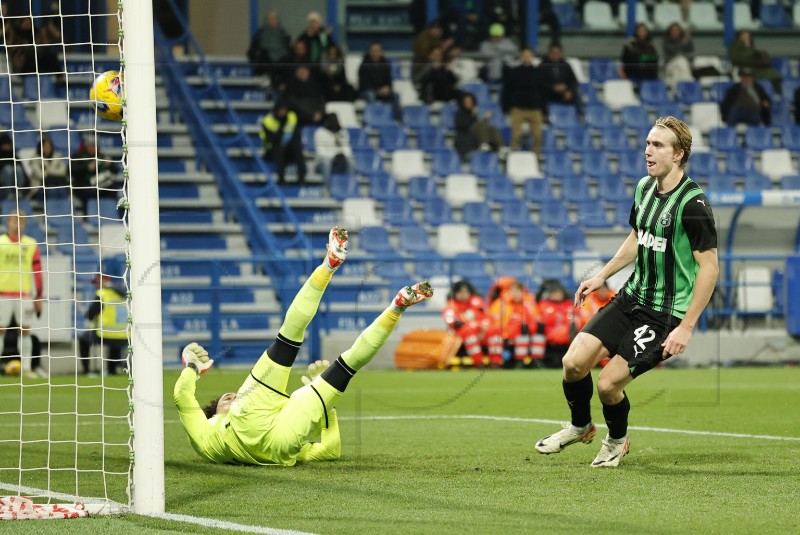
261, 423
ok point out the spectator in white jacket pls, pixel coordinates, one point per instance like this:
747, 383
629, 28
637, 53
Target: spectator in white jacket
499, 53
332, 145
47, 169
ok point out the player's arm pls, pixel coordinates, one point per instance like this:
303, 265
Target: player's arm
192, 418
625, 255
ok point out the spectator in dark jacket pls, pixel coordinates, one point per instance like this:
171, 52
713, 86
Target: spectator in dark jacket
428, 39
304, 95
472, 132
746, 102
269, 44
285, 69
375, 78
523, 100
332, 76
559, 78
93, 174
437, 82
639, 56
280, 133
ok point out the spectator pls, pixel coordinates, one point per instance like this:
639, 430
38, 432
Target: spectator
516, 313
746, 102
269, 44
745, 55
678, 54
12, 175
285, 69
436, 81
474, 133
498, 52
559, 78
465, 314
424, 43
93, 174
465, 21
501, 12
332, 76
316, 37
304, 95
281, 136
109, 316
523, 100
375, 78
639, 56
560, 326
21, 284
332, 146
48, 169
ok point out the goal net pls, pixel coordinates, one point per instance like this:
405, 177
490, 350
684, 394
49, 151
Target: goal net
67, 258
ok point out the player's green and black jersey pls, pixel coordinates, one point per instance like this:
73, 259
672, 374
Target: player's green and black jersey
669, 227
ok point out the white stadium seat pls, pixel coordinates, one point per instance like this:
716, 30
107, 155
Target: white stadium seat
453, 238
665, 14
522, 165
408, 163
743, 17
776, 163
597, 16
698, 141
703, 16
346, 112
754, 293
352, 62
461, 188
358, 213
578, 69
641, 14
52, 112
619, 93
406, 92
705, 116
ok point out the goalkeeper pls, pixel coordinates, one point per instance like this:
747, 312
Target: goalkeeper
261, 423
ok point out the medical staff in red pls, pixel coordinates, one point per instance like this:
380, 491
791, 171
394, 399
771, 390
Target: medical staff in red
465, 315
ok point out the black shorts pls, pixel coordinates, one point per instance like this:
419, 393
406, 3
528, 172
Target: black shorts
632, 331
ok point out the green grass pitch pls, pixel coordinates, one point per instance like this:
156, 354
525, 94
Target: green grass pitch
412, 463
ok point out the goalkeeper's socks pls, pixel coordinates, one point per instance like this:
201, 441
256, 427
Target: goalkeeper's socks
579, 396
617, 417
26, 352
305, 305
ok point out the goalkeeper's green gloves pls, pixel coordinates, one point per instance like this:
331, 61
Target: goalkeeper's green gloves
196, 357
314, 371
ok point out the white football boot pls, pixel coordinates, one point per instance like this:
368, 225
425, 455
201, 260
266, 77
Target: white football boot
568, 436
337, 247
612, 452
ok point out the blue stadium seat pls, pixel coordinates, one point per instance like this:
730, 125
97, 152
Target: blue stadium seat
500, 189
430, 138
666, 110
562, 116
10, 205
598, 116
65, 141
532, 240
514, 213
377, 114
723, 138
689, 92
26, 140
790, 182
307, 138
397, 212
634, 117
614, 138
477, 214
559, 165
602, 69
780, 114
430, 265
553, 214
611, 188
759, 138
721, 182
58, 211
766, 85
595, 163
382, 187
718, 90
579, 140
537, 190
755, 181
480, 90
498, 118
549, 143
654, 92
703, 164
358, 137
436, 211
35, 88
375, 240
588, 93
592, 214
447, 115
416, 116
414, 240
392, 138
445, 162
511, 266
343, 186
548, 268
421, 188
575, 189
485, 164
470, 265
106, 209
738, 162
367, 161
774, 16
570, 239
788, 89
782, 65
631, 163
493, 240
790, 137
395, 272
622, 213
567, 15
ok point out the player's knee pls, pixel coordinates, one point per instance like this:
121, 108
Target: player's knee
574, 367
608, 391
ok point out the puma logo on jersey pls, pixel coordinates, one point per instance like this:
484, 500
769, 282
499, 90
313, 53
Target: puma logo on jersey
652, 242
701, 201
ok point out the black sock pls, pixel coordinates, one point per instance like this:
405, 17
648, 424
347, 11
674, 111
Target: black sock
617, 417
283, 351
578, 395
338, 375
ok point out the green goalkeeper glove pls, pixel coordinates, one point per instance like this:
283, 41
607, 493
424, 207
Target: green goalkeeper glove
314, 371
196, 357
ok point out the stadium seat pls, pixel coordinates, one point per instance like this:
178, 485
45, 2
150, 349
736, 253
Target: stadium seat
639, 16
553, 214
358, 213
743, 17
723, 139
436, 211
346, 112
766, 85
721, 182
96, 210
367, 161
307, 138
480, 90
754, 289
614, 138
493, 240
780, 114
703, 17
408, 163
570, 239
665, 14
378, 114
559, 165
634, 117
776, 163
406, 92
622, 213
562, 116
703, 164
549, 142
432, 265
430, 138
653, 92
343, 186
375, 240
26, 140
588, 93
476, 214
774, 16
461, 188
790, 137
579, 140
790, 182
514, 213
413, 240
598, 116
35, 88
575, 189
673, 109
447, 116
567, 15
421, 188
577, 68
500, 189
719, 89
598, 16
416, 116
65, 141
394, 272
595, 163
532, 240
689, 92
397, 212
358, 137
592, 214
521, 165
796, 13
738, 162
789, 88
548, 268
698, 140
759, 138
453, 238
783, 66
611, 188
537, 190
631, 162
602, 70
383, 187
445, 162
51, 113
619, 93
392, 138
484, 164
705, 116
755, 181
511, 265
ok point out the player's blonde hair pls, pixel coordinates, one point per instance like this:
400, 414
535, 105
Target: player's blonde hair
683, 136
